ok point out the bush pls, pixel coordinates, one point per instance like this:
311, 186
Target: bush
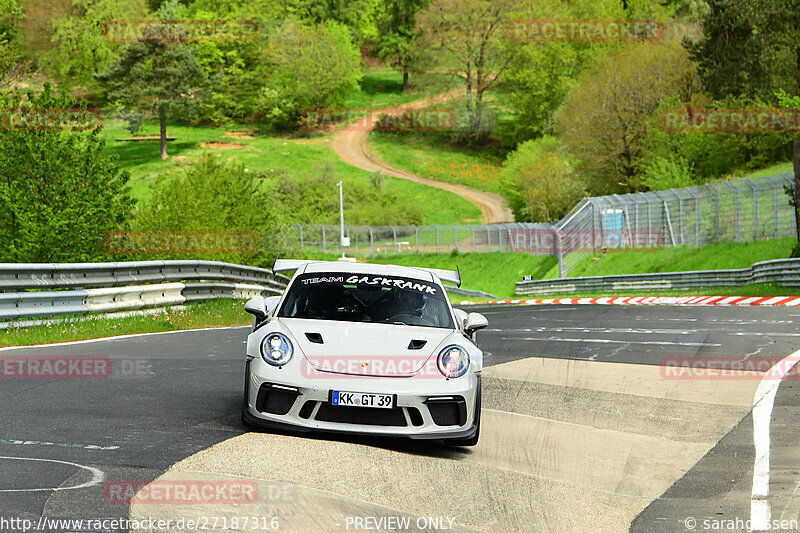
213, 195
59, 195
539, 183
663, 174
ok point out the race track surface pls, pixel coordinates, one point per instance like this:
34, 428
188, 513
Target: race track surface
587, 426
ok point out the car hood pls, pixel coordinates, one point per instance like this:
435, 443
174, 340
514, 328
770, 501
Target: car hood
364, 348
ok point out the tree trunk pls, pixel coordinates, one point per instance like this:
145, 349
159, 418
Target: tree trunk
796, 162
162, 117
405, 80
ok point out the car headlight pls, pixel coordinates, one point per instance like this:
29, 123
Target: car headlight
453, 361
276, 349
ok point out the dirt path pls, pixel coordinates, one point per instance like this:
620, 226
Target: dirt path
351, 146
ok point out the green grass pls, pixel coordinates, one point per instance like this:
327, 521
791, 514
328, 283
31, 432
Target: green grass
213, 313
382, 87
268, 155
774, 170
722, 255
428, 156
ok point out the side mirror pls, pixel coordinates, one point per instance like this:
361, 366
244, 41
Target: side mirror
256, 307
271, 303
475, 321
461, 317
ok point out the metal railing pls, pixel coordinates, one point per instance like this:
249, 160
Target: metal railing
738, 211
45, 290
783, 272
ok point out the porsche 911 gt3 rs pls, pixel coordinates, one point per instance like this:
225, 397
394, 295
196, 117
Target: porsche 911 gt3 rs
360, 348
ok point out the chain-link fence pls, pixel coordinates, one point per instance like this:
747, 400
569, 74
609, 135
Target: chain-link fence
741, 210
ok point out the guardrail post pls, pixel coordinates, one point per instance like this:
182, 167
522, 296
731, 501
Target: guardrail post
371, 242
735, 206
774, 202
755, 208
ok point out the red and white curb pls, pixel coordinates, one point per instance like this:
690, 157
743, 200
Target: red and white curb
740, 301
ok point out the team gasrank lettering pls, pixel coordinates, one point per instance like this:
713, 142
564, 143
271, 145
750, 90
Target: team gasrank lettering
389, 282
311, 281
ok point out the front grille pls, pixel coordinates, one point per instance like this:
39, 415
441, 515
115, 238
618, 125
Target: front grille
274, 400
361, 415
449, 412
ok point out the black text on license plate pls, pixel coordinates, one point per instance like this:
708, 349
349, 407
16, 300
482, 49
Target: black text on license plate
362, 399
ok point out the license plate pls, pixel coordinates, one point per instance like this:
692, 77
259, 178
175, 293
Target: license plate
362, 399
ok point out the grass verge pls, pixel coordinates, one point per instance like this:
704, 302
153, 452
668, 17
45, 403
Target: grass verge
214, 313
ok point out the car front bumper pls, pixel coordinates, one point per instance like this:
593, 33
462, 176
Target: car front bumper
424, 408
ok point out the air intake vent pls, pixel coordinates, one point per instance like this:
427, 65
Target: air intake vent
316, 338
416, 344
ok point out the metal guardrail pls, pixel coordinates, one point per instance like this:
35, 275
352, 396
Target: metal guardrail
44, 290
784, 272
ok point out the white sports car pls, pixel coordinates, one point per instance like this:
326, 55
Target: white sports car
369, 349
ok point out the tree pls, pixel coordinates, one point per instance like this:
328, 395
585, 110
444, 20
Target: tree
81, 48
606, 117
59, 194
397, 32
357, 15
539, 182
465, 38
228, 197
156, 78
311, 67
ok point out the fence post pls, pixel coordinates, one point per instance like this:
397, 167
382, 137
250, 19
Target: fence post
594, 227
716, 210
755, 208
790, 179
371, 242
416, 236
474, 246
774, 202
649, 222
680, 210
437, 238
488, 239
559, 254
696, 216
394, 239
302, 244
455, 229
735, 206
324, 243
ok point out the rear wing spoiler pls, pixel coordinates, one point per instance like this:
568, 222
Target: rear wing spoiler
283, 265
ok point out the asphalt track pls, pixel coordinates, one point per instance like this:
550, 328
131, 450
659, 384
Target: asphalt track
584, 429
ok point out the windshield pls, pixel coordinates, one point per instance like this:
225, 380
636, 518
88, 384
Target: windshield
367, 298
